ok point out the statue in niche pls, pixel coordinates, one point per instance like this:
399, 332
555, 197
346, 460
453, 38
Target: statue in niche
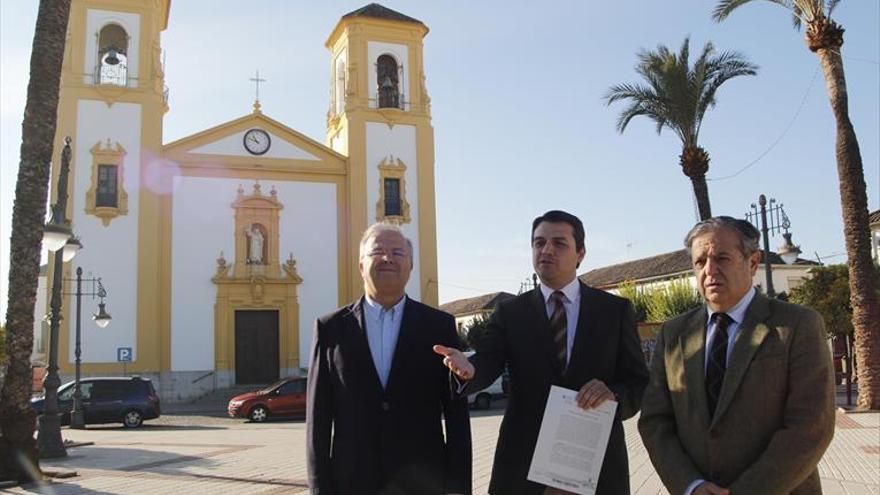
255, 245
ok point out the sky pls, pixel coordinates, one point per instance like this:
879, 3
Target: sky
520, 123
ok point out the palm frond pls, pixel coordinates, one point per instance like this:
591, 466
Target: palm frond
832, 4
675, 93
726, 7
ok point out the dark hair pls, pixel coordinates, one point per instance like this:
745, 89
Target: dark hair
559, 216
747, 234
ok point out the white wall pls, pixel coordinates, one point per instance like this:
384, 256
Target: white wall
233, 145
109, 252
375, 49
95, 21
203, 225
398, 142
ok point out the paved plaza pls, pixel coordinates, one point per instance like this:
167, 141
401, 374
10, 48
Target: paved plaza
192, 454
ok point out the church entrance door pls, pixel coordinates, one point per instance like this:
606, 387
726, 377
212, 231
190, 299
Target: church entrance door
256, 347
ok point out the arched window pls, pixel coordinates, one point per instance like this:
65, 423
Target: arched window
112, 55
388, 82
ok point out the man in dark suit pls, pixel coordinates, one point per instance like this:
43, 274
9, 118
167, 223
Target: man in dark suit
377, 394
741, 396
561, 333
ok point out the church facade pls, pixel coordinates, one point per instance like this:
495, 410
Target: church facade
219, 250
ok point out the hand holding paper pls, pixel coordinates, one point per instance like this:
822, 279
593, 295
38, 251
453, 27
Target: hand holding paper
572, 441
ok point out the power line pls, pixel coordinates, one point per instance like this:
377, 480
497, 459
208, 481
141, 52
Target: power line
779, 139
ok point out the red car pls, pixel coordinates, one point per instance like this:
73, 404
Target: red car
286, 397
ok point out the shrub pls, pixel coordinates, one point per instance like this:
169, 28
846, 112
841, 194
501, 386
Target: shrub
672, 300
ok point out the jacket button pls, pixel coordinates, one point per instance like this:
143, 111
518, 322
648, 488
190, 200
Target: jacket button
386, 406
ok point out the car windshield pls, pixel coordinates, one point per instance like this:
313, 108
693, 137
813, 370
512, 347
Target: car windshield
274, 385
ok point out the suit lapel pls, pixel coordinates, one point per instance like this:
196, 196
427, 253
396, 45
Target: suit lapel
692, 345
363, 345
749, 337
587, 325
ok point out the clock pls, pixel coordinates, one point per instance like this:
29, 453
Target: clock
257, 141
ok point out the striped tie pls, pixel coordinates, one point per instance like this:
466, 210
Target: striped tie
559, 328
717, 363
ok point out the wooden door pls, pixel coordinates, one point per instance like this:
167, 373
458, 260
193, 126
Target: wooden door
256, 347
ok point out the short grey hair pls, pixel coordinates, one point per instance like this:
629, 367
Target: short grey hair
746, 232
376, 229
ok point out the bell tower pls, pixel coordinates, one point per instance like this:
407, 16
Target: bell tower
112, 101
380, 118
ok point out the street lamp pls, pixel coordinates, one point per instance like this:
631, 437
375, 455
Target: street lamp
56, 235
778, 221
102, 319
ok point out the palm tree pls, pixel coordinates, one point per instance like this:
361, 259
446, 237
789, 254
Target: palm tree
18, 451
824, 38
677, 96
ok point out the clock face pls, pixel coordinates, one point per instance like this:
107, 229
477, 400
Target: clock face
257, 141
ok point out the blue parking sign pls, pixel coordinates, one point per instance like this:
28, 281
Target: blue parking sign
123, 354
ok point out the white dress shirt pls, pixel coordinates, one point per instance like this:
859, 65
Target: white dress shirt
383, 328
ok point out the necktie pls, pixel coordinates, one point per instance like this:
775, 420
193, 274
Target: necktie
717, 364
559, 328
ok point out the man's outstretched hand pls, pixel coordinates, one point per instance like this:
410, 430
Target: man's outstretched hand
456, 361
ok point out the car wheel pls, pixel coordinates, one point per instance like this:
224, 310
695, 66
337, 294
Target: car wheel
259, 414
132, 419
482, 401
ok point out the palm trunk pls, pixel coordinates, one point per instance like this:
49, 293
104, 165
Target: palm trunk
18, 451
701, 191
854, 205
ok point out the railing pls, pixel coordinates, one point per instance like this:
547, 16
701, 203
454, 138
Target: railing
206, 375
112, 74
398, 102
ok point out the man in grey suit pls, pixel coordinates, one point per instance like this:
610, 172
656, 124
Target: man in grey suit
741, 397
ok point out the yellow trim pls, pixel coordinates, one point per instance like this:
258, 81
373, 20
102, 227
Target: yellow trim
256, 286
427, 216
251, 210
392, 170
107, 156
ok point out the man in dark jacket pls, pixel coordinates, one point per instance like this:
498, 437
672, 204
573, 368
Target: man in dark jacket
377, 393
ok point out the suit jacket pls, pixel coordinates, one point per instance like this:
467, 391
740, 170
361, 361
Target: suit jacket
606, 347
363, 439
775, 414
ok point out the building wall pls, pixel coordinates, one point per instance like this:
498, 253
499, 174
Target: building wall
399, 142
203, 226
785, 278
109, 252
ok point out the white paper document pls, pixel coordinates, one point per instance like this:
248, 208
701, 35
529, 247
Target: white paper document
571, 443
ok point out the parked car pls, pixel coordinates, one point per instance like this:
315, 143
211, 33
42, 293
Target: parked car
286, 397
129, 400
483, 399
498, 389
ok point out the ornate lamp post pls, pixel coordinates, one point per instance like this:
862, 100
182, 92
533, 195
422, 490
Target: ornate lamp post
57, 237
102, 319
778, 221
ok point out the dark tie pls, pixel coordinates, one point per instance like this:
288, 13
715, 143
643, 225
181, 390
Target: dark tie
717, 362
559, 327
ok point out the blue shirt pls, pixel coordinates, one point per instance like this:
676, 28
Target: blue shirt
383, 328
